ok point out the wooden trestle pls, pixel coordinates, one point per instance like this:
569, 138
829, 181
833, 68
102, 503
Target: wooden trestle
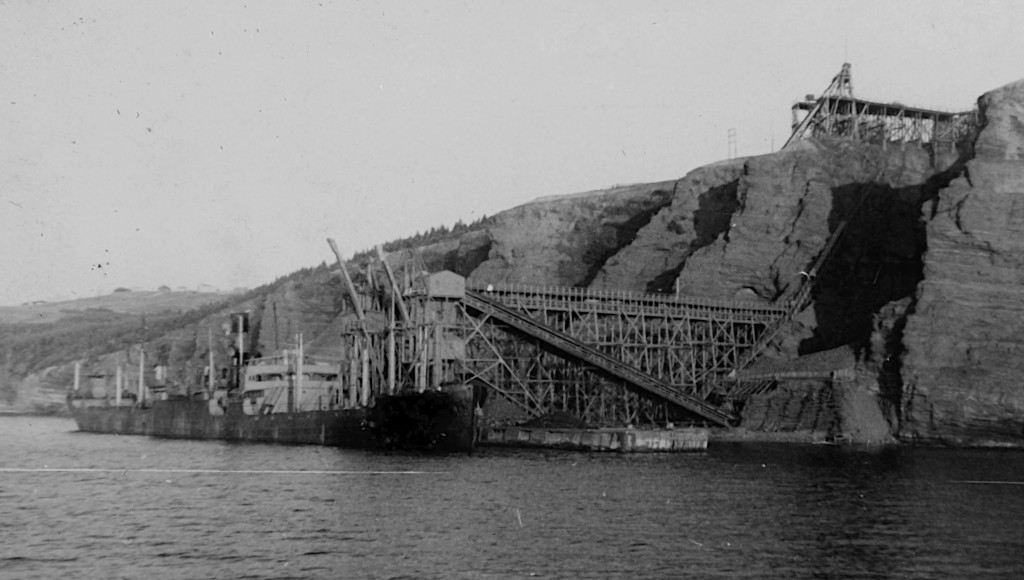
606, 358
575, 348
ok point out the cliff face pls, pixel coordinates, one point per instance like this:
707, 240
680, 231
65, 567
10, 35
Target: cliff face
748, 228
699, 212
789, 205
565, 240
751, 229
965, 338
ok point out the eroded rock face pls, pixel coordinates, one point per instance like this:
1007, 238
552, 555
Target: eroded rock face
965, 339
790, 203
746, 229
702, 203
563, 241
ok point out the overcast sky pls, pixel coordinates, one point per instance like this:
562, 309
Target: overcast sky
187, 142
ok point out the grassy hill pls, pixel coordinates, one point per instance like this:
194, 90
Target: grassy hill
75, 334
34, 337
124, 302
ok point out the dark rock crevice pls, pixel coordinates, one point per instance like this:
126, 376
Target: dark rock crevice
711, 220
464, 260
565, 239
878, 260
714, 214
885, 360
868, 288
598, 254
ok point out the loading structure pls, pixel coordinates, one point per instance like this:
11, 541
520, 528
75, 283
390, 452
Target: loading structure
605, 358
837, 113
609, 358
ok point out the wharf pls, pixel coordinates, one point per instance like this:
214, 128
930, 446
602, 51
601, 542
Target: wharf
621, 440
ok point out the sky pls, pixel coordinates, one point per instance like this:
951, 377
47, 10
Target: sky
147, 143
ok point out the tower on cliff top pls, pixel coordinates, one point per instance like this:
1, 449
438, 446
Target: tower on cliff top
837, 113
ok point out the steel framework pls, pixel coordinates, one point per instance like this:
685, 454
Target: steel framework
837, 113
607, 358
683, 342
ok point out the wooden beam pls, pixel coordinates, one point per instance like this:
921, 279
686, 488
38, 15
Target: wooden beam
351, 288
395, 292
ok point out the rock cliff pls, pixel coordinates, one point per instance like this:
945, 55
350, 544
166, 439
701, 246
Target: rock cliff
564, 240
923, 284
699, 211
964, 338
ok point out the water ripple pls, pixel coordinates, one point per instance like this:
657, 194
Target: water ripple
93, 506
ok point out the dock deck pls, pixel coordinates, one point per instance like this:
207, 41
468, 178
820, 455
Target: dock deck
621, 440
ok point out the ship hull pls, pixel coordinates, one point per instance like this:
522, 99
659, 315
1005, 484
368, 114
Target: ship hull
395, 422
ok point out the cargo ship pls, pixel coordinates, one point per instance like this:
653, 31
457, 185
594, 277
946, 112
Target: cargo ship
286, 400
382, 391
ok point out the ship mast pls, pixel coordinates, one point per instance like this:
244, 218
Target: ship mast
241, 353
209, 377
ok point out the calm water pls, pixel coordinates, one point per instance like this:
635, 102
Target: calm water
77, 505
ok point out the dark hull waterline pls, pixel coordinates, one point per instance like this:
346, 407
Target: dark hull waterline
440, 421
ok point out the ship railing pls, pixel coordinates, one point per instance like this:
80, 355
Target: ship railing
285, 360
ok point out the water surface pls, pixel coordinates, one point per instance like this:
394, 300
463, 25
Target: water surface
103, 506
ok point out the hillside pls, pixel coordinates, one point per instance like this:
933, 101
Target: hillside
922, 288
124, 302
39, 342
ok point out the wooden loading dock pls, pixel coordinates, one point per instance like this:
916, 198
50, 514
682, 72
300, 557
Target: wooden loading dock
601, 359
605, 359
